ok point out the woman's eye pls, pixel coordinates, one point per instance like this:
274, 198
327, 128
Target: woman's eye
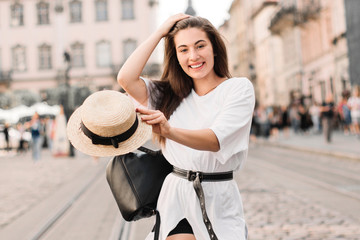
183, 50
200, 46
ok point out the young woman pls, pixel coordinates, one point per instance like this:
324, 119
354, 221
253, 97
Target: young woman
202, 118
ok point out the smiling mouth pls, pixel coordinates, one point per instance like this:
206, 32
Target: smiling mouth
196, 66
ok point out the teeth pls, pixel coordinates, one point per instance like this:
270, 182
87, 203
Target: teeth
196, 66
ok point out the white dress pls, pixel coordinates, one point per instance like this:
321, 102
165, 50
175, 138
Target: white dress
227, 111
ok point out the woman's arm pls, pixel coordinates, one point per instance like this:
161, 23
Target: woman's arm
203, 139
129, 75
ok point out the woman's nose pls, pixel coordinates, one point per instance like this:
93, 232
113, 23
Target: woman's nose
193, 55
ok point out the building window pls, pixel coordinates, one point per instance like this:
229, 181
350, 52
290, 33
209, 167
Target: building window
45, 57
75, 11
103, 54
127, 7
18, 58
77, 58
42, 13
101, 10
128, 48
17, 15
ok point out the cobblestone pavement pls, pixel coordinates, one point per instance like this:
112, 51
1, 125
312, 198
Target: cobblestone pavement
271, 212
24, 182
275, 213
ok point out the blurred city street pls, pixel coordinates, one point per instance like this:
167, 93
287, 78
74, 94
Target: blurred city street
298, 187
301, 56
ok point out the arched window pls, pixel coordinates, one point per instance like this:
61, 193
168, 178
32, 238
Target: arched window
101, 10
42, 13
127, 7
17, 15
45, 60
129, 47
18, 58
78, 56
103, 54
75, 11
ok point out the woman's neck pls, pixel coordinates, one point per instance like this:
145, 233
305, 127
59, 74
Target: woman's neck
204, 86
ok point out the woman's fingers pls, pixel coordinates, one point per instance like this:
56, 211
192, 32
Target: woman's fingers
156, 119
169, 23
151, 116
143, 110
178, 17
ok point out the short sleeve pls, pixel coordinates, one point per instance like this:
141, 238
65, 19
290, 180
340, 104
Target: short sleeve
232, 125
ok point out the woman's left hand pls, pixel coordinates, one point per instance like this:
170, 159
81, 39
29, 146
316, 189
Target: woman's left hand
156, 119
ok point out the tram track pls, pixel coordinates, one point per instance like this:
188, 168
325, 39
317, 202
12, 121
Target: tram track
89, 212
308, 179
329, 180
53, 219
327, 171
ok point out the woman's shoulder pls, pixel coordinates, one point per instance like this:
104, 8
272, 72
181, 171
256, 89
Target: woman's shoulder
237, 84
238, 81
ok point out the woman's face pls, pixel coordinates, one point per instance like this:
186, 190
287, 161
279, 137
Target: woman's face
194, 53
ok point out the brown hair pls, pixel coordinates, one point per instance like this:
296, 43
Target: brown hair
175, 84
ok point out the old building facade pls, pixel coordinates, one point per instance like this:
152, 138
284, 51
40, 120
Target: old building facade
45, 44
298, 48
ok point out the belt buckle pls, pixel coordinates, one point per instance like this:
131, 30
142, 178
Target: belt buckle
191, 175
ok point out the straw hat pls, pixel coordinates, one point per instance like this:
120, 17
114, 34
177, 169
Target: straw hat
106, 124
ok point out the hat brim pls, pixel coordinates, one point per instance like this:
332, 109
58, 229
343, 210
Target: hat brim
84, 144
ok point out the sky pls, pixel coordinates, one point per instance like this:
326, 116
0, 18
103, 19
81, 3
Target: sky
216, 11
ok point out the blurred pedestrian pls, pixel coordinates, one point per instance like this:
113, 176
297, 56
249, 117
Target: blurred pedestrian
22, 142
294, 117
274, 119
354, 104
255, 128
263, 121
314, 112
36, 136
305, 119
49, 132
7, 136
327, 115
61, 143
344, 112
202, 117
284, 121
45, 143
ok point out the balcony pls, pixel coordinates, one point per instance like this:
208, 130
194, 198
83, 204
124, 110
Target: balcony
292, 14
309, 9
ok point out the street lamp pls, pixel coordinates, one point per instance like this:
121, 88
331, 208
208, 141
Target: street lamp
66, 103
67, 59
